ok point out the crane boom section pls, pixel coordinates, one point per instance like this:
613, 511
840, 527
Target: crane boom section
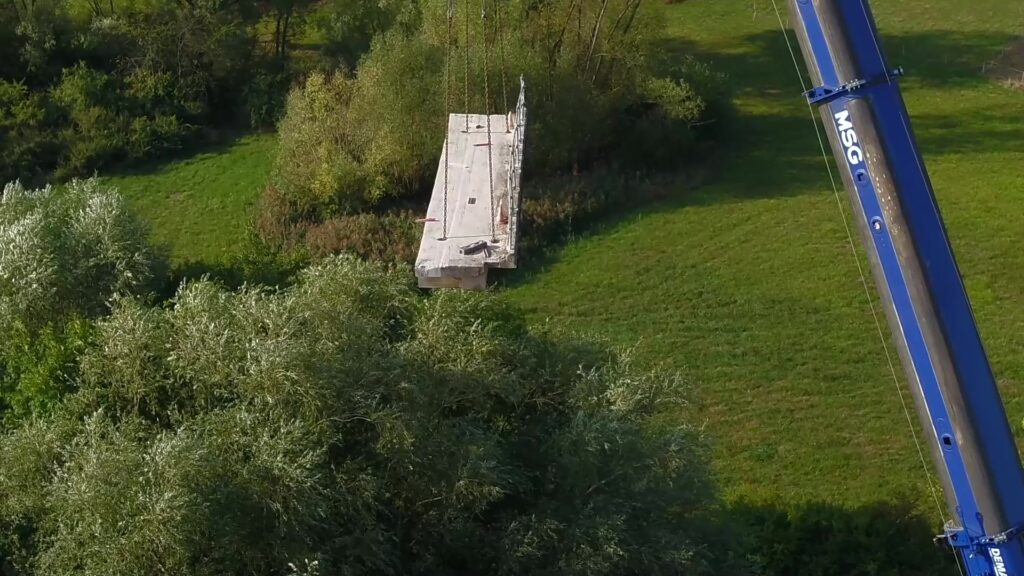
916, 274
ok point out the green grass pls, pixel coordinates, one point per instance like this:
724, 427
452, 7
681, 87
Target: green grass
748, 285
198, 207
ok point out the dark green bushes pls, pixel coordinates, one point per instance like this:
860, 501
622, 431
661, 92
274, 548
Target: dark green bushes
88, 119
91, 84
27, 140
104, 121
66, 255
346, 422
365, 141
348, 28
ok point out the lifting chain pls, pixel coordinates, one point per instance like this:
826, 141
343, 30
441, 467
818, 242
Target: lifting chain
466, 88
487, 114
447, 113
500, 37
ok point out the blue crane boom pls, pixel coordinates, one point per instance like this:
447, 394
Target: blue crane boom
916, 273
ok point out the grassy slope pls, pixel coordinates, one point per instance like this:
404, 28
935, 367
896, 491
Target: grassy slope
748, 286
198, 207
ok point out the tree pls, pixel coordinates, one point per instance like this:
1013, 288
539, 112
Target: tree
349, 26
350, 424
65, 255
284, 11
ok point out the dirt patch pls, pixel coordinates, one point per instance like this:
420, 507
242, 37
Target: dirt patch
1008, 67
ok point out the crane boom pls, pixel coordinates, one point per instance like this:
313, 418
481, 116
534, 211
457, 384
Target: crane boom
917, 277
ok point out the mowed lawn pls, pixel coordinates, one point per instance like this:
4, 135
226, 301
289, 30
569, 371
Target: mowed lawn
748, 285
198, 207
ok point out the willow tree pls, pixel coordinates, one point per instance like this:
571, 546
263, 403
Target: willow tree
347, 425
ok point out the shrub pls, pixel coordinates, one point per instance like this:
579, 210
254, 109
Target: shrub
206, 50
28, 142
107, 121
349, 426
592, 97
314, 168
44, 32
348, 27
36, 370
396, 116
67, 253
265, 95
126, 81
391, 237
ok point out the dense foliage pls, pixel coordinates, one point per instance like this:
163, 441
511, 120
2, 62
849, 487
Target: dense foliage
348, 422
358, 148
65, 255
349, 140
87, 83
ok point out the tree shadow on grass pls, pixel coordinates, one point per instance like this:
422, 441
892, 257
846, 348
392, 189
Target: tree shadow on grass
819, 539
761, 72
944, 60
211, 143
935, 58
770, 149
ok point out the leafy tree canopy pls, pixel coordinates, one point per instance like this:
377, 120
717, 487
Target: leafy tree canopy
347, 425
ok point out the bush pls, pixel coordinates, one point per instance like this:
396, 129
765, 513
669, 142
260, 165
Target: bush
109, 122
396, 116
27, 141
265, 96
347, 422
377, 135
67, 253
392, 237
127, 82
348, 28
207, 52
36, 370
314, 168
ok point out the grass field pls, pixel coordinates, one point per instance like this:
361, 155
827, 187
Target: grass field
748, 285
198, 207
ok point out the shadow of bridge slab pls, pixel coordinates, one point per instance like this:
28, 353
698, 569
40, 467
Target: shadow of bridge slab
945, 63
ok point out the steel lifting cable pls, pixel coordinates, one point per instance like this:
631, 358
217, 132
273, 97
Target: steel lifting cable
500, 34
447, 112
487, 114
466, 87
863, 276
